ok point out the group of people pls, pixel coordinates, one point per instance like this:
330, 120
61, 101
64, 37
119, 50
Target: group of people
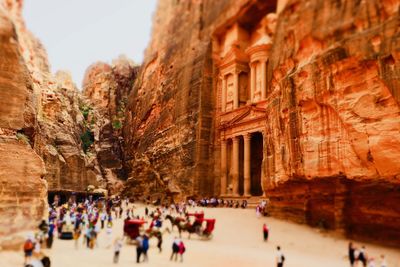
90, 217
359, 256
87, 219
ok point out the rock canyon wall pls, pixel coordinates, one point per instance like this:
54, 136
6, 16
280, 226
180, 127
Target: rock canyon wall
23, 193
333, 126
107, 88
314, 83
294, 100
48, 131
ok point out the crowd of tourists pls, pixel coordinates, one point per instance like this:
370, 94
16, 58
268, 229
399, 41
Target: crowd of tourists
358, 256
84, 221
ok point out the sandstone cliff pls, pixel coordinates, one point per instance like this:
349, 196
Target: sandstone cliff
331, 136
44, 134
169, 119
107, 88
23, 194
333, 130
65, 141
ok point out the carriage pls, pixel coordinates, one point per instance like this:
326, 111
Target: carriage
199, 216
202, 230
210, 225
132, 228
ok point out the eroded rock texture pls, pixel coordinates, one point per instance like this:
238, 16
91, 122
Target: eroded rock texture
169, 120
333, 130
65, 139
23, 194
107, 88
331, 138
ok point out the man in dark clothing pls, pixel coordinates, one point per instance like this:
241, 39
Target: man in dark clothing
139, 245
352, 257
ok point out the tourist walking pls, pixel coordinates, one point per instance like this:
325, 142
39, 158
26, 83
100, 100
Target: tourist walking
145, 247
117, 249
371, 262
265, 232
258, 211
50, 235
352, 256
383, 261
28, 249
280, 258
362, 256
103, 218
159, 241
182, 249
175, 249
139, 244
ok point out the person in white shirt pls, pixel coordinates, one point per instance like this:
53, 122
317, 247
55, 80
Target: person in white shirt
117, 248
280, 258
383, 261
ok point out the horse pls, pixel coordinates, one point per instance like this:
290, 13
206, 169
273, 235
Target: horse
184, 225
175, 221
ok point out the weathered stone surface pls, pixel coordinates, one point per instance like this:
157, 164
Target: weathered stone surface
59, 142
331, 131
169, 124
23, 194
107, 88
336, 114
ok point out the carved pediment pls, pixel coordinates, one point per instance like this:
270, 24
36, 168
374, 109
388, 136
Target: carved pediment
243, 116
234, 55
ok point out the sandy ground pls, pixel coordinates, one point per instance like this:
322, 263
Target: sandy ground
237, 241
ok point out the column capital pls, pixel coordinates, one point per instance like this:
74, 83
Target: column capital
236, 138
247, 136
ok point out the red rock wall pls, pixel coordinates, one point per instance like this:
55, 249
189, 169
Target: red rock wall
23, 194
333, 123
335, 113
107, 88
169, 123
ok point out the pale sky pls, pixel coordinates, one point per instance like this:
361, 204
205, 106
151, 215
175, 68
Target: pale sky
77, 33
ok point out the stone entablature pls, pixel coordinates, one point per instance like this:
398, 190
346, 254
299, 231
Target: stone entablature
244, 120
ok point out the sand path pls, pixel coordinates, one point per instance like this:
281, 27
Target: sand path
237, 241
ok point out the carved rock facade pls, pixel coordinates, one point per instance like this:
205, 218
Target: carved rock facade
294, 100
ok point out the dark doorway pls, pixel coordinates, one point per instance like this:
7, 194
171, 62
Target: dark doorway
256, 163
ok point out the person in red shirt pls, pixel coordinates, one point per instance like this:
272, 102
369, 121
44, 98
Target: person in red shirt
265, 232
182, 250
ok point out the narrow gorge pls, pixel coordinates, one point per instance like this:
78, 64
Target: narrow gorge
295, 102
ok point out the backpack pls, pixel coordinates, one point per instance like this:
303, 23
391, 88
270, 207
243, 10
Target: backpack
28, 246
145, 244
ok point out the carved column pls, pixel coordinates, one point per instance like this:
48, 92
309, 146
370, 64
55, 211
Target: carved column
235, 90
252, 81
235, 166
263, 79
223, 94
247, 164
223, 167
